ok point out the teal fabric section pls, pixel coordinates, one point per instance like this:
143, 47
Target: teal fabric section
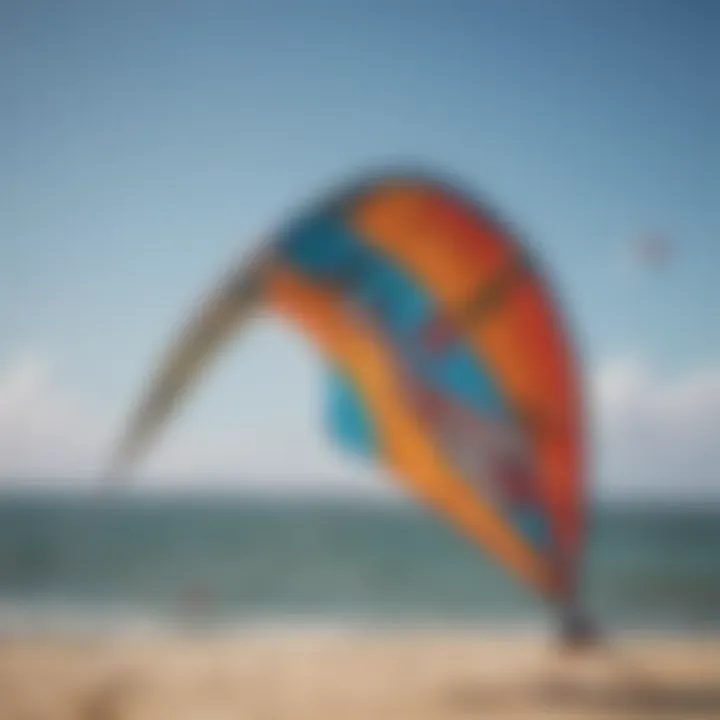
347, 418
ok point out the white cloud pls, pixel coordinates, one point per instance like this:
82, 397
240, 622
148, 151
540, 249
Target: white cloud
654, 435
44, 431
657, 434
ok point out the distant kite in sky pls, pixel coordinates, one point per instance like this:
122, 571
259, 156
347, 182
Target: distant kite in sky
651, 251
449, 363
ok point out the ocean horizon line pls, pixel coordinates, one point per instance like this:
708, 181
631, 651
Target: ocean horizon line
224, 487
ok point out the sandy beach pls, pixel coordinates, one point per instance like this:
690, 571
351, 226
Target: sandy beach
324, 676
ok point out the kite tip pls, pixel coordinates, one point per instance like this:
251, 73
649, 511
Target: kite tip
578, 631
117, 473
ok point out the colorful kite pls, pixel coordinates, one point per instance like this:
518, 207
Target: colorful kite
450, 365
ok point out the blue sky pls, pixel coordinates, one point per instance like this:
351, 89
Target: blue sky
145, 144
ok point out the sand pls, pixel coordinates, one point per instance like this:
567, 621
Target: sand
344, 676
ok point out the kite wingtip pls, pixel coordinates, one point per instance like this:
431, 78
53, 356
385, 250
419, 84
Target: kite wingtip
578, 631
117, 473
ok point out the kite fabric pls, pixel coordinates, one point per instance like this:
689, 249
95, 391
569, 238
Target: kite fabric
449, 363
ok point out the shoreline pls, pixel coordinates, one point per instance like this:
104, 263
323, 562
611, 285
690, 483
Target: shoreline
69, 619
25, 620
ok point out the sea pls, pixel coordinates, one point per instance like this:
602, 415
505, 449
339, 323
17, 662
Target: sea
82, 562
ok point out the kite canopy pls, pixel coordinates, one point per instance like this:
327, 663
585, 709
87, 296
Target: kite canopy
449, 362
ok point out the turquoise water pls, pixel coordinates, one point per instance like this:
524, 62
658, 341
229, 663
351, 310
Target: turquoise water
236, 559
